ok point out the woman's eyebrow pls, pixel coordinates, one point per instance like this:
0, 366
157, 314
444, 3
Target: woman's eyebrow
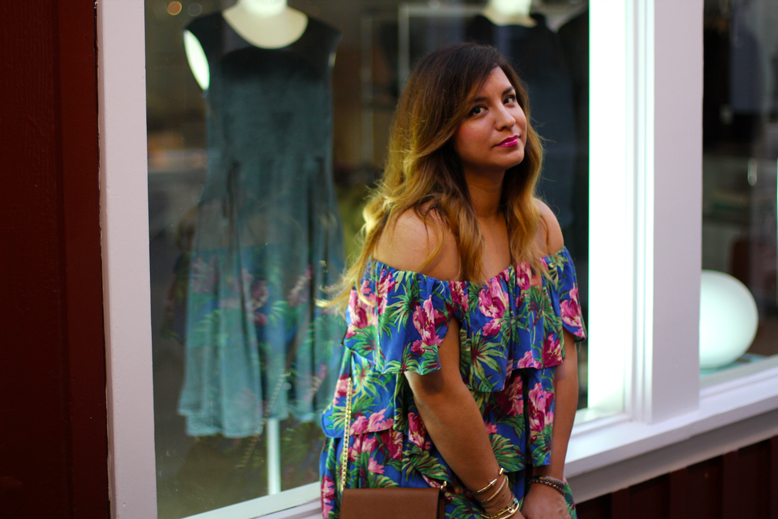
504, 93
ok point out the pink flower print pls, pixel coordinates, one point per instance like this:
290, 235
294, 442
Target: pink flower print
342, 386
361, 309
355, 449
259, 294
378, 422
327, 495
490, 428
540, 414
459, 294
426, 319
383, 289
299, 293
360, 425
520, 300
375, 467
492, 302
528, 361
393, 440
524, 276
204, 275
510, 399
363, 443
552, 350
571, 312
417, 433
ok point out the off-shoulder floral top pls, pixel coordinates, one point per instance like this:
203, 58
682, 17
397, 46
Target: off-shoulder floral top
510, 338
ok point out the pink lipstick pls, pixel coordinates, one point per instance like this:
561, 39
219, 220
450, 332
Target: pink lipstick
511, 141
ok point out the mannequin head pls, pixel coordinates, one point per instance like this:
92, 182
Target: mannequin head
510, 8
262, 7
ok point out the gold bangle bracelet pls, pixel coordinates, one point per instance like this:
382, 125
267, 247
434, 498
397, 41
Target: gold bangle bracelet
505, 513
496, 492
491, 484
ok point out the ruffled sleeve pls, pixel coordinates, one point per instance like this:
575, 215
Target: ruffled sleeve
564, 293
398, 319
396, 322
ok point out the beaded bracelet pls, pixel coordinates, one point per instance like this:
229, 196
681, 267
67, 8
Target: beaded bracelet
496, 492
491, 484
505, 513
556, 484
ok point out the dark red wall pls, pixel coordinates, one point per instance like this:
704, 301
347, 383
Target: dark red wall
53, 446
741, 484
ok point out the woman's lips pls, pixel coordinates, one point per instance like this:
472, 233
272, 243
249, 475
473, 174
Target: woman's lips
509, 142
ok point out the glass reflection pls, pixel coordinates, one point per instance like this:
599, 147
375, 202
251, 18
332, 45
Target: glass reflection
740, 148
261, 152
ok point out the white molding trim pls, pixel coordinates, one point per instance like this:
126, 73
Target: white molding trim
125, 247
285, 505
674, 456
676, 42
600, 448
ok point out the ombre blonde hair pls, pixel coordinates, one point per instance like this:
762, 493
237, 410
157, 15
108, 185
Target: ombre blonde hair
424, 172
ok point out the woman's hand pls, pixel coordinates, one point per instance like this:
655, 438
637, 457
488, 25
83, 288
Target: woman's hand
543, 502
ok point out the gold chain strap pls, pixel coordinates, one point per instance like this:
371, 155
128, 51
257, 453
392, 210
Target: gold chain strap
346, 436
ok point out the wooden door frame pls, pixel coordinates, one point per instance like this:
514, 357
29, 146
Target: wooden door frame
53, 444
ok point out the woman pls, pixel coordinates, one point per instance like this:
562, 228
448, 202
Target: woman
460, 307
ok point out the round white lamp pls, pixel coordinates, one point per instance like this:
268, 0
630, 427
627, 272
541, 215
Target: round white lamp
728, 319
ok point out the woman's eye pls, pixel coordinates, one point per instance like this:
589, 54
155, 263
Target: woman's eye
477, 110
510, 99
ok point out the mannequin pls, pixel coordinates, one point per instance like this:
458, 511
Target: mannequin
268, 24
267, 235
509, 12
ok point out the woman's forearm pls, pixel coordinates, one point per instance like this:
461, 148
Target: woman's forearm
566, 391
455, 424
452, 417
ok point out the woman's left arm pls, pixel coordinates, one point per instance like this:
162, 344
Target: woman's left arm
542, 501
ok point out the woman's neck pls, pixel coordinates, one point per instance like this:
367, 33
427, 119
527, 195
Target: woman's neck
485, 194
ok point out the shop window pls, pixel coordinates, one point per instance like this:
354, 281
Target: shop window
739, 296
262, 147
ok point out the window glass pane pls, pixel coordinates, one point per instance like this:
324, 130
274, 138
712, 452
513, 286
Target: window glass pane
739, 309
261, 153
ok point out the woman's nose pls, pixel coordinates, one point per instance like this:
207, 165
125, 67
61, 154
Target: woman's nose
504, 119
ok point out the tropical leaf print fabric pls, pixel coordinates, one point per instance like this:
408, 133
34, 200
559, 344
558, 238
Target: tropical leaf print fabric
511, 337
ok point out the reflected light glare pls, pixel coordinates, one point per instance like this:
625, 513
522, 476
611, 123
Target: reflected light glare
174, 8
194, 10
728, 319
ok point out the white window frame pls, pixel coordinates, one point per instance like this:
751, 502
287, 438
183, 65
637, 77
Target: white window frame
648, 414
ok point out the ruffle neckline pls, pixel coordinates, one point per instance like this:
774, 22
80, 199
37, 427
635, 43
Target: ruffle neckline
503, 273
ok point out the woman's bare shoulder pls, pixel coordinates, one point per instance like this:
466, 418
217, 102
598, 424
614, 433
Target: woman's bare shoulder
408, 241
550, 233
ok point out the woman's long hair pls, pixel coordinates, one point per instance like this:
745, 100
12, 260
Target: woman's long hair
424, 172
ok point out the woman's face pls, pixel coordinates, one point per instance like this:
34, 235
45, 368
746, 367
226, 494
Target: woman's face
493, 135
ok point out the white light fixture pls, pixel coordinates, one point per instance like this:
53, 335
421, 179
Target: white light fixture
728, 319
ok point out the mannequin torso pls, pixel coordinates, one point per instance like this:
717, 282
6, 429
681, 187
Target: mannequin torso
268, 24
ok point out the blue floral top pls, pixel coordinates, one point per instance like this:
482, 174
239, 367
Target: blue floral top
510, 337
